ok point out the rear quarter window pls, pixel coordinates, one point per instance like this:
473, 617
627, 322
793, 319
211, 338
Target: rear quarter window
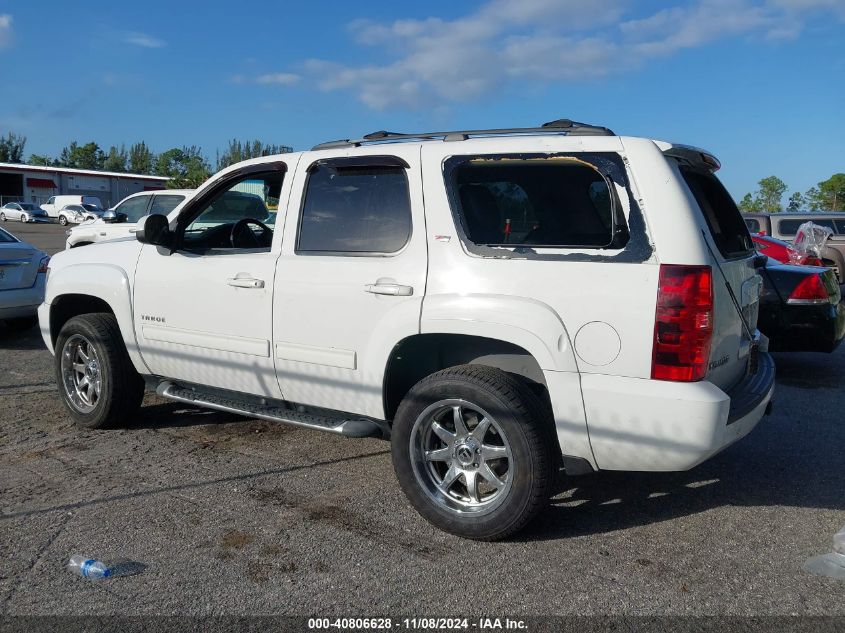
558, 202
753, 225
727, 228
790, 227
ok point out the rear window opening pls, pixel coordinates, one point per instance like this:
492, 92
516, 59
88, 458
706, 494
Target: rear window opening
727, 227
790, 227
538, 202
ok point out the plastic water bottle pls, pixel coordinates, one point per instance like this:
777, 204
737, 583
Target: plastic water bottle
833, 564
88, 567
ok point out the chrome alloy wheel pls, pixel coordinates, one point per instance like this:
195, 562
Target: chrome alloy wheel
461, 457
81, 373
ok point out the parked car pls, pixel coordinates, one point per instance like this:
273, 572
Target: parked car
499, 305
120, 220
23, 269
784, 226
779, 250
801, 309
57, 203
23, 212
77, 213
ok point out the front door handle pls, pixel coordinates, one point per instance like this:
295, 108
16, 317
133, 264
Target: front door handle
246, 282
394, 290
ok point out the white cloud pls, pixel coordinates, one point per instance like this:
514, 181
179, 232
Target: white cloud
282, 79
143, 40
513, 43
6, 35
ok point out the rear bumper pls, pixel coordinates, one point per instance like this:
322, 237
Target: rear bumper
22, 302
650, 425
805, 328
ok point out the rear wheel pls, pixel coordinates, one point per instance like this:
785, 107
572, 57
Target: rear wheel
2, 217
23, 218
471, 452
97, 381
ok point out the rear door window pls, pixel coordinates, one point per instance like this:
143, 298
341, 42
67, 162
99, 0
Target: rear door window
727, 228
355, 209
165, 204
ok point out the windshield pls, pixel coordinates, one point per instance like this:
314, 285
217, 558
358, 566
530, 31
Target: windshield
28, 206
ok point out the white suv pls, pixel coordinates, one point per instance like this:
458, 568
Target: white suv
500, 303
120, 220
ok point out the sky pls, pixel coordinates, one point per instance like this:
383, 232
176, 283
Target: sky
757, 82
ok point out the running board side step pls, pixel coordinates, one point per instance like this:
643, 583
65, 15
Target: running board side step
361, 427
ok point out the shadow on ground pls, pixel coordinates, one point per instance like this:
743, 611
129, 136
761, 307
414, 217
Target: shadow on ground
29, 339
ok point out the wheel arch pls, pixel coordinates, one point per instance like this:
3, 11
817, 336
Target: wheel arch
86, 288
421, 355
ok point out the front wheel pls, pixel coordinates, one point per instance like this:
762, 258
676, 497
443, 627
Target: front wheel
471, 451
2, 217
62, 220
24, 218
97, 381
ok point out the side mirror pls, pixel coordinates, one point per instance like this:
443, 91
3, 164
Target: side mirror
154, 229
109, 216
760, 260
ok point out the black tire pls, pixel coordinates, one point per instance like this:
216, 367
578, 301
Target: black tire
2, 217
521, 418
121, 387
23, 218
21, 323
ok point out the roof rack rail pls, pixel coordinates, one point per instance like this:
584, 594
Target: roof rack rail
559, 126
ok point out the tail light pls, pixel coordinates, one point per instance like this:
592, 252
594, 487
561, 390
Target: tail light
683, 324
43, 264
810, 291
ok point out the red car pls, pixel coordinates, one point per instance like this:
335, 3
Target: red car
780, 251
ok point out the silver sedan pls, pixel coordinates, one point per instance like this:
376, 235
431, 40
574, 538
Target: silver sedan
23, 274
23, 212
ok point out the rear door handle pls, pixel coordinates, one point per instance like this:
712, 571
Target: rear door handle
394, 290
246, 282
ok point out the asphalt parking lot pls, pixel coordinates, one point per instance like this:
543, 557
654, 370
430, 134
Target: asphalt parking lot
235, 516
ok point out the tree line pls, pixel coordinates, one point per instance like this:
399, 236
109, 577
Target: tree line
828, 195
186, 166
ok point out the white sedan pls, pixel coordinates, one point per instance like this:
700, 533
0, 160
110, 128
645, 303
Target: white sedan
23, 212
78, 213
23, 273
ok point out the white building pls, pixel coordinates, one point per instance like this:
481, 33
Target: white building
30, 183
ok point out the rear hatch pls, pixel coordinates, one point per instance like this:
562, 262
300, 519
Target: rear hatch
736, 283
18, 264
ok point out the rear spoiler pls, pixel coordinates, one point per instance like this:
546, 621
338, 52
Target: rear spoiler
694, 155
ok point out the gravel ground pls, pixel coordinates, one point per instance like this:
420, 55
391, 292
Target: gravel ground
236, 516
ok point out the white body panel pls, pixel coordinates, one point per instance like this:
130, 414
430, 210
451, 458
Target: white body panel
332, 338
313, 335
192, 325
